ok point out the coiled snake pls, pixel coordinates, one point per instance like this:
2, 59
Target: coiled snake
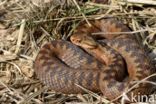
106, 63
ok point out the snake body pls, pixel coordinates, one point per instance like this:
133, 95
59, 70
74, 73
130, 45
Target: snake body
106, 65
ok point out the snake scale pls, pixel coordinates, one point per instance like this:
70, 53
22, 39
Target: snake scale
105, 63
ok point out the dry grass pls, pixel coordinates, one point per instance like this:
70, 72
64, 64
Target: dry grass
25, 26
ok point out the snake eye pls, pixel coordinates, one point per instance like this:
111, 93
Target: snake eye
75, 40
78, 40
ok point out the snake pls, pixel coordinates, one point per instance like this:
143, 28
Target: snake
103, 62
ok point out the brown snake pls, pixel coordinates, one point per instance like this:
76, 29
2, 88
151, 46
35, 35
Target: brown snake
106, 65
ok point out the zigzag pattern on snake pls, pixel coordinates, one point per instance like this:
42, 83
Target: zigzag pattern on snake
106, 65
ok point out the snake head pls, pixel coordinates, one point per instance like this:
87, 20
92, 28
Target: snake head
83, 41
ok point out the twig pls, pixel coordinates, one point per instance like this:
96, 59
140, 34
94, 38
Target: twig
92, 17
149, 2
13, 56
32, 96
46, 32
130, 32
20, 36
3, 84
94, 95
81, 12
4, 2
103, 5
135, 85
